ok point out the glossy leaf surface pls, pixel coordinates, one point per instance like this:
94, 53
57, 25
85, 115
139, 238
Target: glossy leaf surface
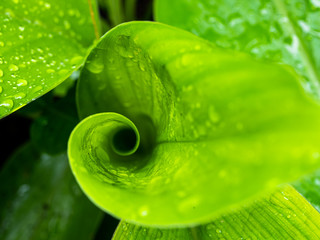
41, 44
41, 200
216, 128
279, 30
284, 214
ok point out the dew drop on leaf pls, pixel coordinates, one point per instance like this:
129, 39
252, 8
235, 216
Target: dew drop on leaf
143, 211
95, 66
76, 60
22, 82
13, 68
125, 226
1, 73
63, 72
50, 70
7, 103
19, 95
36, 89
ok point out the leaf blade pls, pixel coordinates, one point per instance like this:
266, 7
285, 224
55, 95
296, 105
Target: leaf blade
41, 44
279, 31
278, 215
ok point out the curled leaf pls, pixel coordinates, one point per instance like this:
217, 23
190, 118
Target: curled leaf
216, 128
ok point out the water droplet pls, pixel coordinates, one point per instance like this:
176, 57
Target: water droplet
218, 230
36, 89
76, 60
1, 44
22, 82
125, 227
7, 103
19, 95
95, 66
13, 68
50, 70
1, 73
143, 211
63, 72
21, 28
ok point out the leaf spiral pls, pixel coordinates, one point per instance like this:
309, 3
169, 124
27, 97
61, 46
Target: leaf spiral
215, 127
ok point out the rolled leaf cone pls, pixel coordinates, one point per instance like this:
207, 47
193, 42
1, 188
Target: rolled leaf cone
177, 131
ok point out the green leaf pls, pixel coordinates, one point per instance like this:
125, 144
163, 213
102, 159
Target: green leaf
41, 44
41, 200
216, 128
281, 31
284, 214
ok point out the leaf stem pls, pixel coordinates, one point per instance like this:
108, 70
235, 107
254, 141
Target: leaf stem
96, 31
305, 54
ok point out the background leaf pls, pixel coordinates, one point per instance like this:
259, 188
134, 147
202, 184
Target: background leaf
41, 44
50, 132
248, 125
309, 187
41, 200
284, 214
281, 31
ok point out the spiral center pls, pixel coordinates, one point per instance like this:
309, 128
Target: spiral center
124, 141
